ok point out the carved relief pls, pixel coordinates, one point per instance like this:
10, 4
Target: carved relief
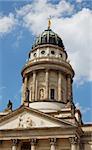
25, 122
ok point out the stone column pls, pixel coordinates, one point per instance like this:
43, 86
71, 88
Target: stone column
36, 93
47, 84
33, 144
30, 95
73, 141
14, 144
24, 86
34, 85
53, 144
69, 88
59, 86
78, 144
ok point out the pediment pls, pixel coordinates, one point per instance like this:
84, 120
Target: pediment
25, 117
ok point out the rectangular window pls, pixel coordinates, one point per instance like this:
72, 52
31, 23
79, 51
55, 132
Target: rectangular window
52, 94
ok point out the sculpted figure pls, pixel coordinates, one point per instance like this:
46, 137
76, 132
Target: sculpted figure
41, 93
25, 122
28, 122
9, 105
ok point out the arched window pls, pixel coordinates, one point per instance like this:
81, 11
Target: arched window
43, 52
52, 40
52, 94
44, 39
35, 54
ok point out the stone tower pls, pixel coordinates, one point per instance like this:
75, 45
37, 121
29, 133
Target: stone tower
47, 75
47, 118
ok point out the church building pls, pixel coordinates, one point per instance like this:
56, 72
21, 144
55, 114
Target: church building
47, 118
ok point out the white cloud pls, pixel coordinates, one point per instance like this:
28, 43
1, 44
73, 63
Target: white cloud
35, 15
7, 23
82, 109
19, 37
75, 31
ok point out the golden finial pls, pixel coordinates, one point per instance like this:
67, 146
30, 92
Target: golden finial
49, 23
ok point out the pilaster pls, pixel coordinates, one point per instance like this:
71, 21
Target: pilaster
59, 86
69, 88
36, 93
24, 87
34, 85
47, 84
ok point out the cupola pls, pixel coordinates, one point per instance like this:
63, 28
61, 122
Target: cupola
47, 75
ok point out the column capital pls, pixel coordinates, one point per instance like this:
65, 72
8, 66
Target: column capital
34, 71
52, 141
47, 69
26, 75
33, 141
78, 140
73, 140
14, 142
68, 76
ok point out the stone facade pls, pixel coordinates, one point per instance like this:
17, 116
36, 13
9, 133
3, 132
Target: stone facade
47, 118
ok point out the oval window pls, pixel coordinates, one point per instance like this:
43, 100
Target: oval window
34, 54
42, 52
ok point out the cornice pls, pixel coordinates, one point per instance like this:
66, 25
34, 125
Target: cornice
45, 132
34, 111
46, 63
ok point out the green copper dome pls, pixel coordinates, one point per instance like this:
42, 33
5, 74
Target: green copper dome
48, 37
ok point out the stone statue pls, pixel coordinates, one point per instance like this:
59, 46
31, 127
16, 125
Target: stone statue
41, 93
27, 94
9, 105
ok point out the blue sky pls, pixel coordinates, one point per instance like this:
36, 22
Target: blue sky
21, 22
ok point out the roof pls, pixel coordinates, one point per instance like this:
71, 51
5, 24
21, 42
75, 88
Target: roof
48, 37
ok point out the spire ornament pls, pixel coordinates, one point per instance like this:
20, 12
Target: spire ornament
49, 22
